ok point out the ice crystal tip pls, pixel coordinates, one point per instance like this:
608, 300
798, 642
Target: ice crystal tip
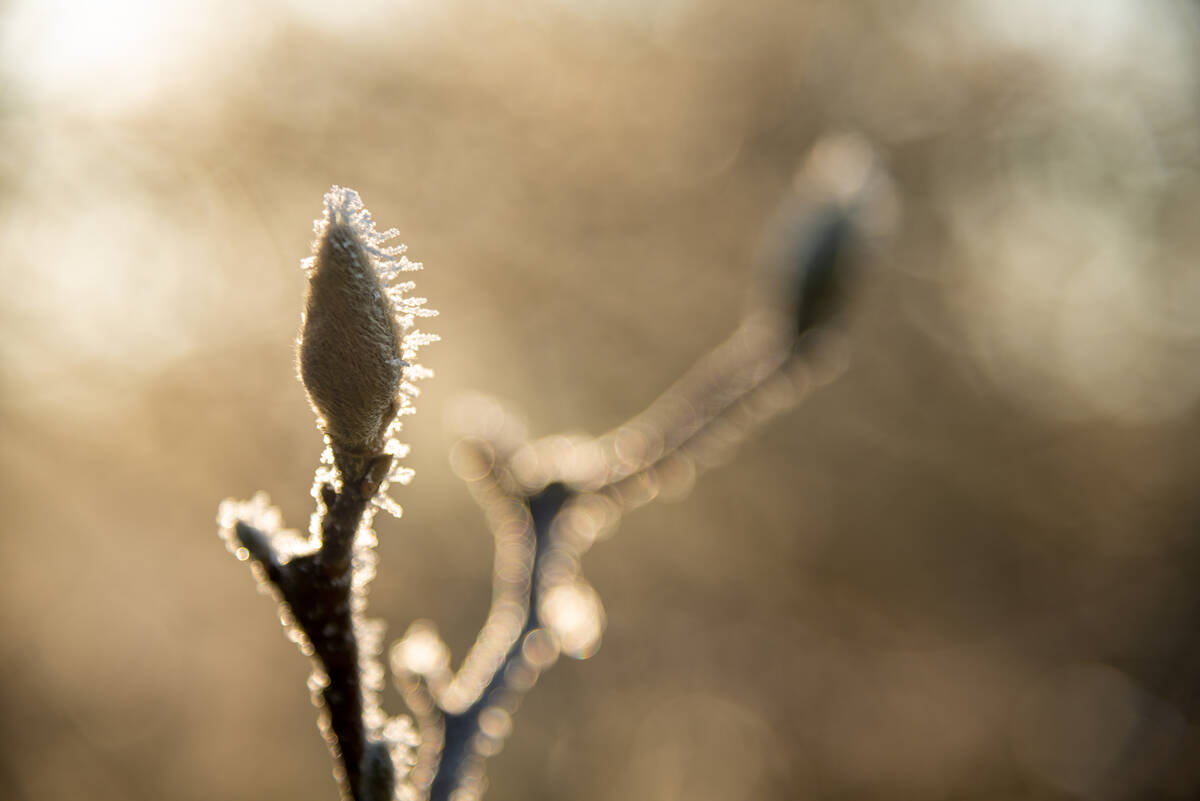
257, 512
357, 345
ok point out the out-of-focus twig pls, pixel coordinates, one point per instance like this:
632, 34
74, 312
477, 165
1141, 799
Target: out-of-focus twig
547, 501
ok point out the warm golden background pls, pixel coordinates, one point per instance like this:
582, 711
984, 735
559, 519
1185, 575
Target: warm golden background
970, 569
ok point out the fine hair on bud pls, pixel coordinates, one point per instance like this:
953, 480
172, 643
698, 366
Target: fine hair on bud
350, 345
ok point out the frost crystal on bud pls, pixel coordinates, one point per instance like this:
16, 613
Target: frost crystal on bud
358, 343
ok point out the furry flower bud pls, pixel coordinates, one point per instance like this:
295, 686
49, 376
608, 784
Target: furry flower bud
349, 347
356, 341
843, 195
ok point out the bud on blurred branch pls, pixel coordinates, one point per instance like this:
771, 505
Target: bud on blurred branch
841, 195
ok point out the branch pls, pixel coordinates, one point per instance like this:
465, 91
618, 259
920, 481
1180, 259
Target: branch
547, 501
317, 589
543, 522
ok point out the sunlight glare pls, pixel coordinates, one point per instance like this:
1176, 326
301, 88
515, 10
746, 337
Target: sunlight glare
112, 54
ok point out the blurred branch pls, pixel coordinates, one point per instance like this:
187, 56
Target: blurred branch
547, 501
547, 528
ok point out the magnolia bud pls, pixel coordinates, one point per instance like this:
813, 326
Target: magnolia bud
350, 345
842, 195
818, 268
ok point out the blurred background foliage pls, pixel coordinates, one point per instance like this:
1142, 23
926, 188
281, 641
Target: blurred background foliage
970, 569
